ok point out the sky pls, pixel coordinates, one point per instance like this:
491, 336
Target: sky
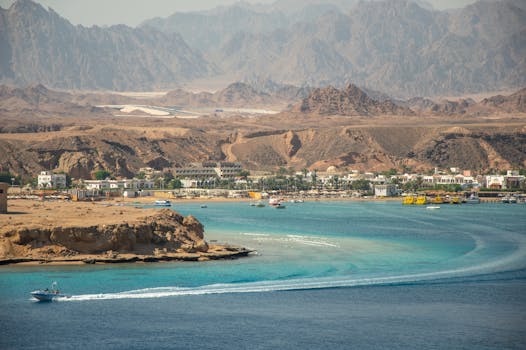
133, 12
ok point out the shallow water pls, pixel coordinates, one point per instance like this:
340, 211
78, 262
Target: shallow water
333, 265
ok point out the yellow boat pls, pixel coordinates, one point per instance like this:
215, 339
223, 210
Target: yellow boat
421, 200
408, 200
455, 200
437, 200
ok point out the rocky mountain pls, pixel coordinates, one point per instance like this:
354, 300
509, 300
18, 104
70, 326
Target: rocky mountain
237, 94
39, 46
351, 101
400, 47
514, 103
25, 109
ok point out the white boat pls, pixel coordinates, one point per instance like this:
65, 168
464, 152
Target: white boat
433, 207
473, 199
48, 294
274, 202
163, 203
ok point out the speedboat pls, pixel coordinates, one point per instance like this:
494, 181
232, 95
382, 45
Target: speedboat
48, 294
163, 203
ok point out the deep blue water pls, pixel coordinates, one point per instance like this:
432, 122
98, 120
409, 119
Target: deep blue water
343, 275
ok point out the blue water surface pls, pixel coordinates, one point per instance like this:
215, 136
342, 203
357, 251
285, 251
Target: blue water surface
340, 274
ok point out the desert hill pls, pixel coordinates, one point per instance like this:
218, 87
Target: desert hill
349, 101
57, 134
515, 103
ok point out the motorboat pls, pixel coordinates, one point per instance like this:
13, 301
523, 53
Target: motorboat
274, 202
48, 294
163, 203
473, 199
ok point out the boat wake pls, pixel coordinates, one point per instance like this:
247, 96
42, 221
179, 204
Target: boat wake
515, 259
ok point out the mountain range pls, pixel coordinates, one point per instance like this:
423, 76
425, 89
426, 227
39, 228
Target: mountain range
400, 47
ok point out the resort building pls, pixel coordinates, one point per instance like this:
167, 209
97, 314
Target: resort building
132, 184
47, 179
208, 170
385, 190
443, 179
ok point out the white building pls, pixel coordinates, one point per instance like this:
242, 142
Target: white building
130, 184
209, 170
385, 190
47, 179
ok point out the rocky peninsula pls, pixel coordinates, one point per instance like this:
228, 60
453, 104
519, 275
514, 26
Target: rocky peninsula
64, 232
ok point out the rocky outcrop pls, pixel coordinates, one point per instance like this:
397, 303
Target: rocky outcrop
167, 231
514, 103
351, 101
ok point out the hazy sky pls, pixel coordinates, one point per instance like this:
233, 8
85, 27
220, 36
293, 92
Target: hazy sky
133, 12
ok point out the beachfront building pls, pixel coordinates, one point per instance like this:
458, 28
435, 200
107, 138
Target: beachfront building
445, 179
47, 179
209, 170
387, 190
512, 180
495, 182
124, 184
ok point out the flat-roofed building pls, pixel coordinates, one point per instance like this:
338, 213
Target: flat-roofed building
208, 170
387, 190
48, 179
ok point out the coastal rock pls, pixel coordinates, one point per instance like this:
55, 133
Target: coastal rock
166, 231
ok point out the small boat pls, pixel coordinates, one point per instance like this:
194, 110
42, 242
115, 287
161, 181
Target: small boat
473, 199
163, 203
204, 206
455, 200
505, 199
48, 294
421, 200
279, 206
433, 207
513, 199
409, 200
274, 202
260, 205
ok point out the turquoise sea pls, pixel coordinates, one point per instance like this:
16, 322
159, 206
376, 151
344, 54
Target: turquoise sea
364, 275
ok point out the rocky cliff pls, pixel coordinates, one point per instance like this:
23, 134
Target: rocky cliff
167, 230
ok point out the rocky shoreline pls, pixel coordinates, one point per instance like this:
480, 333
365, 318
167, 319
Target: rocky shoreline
87, 233
225, 254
